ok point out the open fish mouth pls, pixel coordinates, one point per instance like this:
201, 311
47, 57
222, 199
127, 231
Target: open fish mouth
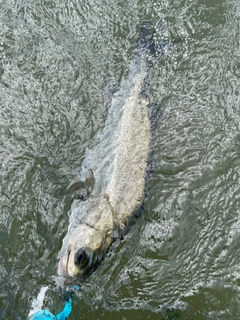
87, 240
82, 260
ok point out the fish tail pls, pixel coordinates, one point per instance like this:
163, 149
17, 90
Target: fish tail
146, 44
145, 41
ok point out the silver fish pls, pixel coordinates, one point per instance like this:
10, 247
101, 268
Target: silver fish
114, 172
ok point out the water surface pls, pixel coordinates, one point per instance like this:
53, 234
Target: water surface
181, 259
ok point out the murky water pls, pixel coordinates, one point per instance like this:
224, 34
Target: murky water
181, 260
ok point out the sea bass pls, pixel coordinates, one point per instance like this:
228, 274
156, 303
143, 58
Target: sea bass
114, 171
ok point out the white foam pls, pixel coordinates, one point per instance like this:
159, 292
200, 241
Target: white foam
38, 303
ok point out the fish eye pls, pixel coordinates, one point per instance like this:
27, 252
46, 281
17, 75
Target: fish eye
81, 258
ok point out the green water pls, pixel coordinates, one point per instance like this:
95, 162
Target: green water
181, 260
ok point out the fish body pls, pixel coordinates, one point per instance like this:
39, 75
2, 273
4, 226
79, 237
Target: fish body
116, 171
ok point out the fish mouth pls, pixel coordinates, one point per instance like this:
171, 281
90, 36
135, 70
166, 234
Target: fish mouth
82, 259
75, 263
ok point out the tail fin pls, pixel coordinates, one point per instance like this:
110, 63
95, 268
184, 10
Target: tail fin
145, 42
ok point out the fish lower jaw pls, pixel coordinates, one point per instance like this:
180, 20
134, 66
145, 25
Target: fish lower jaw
74, 271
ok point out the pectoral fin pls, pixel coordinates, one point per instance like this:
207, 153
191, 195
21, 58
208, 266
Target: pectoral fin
89, 181
82, 189
75, 184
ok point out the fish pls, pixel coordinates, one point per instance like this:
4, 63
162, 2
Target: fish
111, 186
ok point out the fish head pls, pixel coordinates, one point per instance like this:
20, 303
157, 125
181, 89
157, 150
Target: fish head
89, 235
82, 247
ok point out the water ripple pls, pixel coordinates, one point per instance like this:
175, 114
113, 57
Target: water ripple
57, 60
